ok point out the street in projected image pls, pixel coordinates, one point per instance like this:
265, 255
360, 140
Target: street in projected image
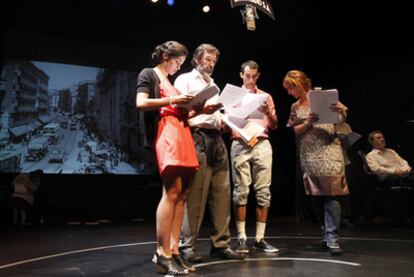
70, 119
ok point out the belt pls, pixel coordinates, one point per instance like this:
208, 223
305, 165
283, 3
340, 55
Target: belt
259, 138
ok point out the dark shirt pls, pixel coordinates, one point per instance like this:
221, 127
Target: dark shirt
148, 82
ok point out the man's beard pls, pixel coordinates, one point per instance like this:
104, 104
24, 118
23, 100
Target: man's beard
203, 70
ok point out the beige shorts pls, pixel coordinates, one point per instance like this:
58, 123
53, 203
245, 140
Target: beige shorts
251, 165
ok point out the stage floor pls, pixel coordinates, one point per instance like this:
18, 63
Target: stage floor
126, 249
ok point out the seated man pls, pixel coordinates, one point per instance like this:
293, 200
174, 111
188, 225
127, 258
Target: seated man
24, 186
386, 164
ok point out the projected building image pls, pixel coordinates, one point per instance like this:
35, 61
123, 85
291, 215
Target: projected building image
70, 119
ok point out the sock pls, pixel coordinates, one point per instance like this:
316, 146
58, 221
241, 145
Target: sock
241, 229
260, 230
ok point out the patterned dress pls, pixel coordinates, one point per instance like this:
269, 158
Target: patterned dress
321, 156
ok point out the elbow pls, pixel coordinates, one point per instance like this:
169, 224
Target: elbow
140, 106
141, 102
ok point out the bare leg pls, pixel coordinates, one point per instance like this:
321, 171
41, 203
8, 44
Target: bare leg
179, 212
166, 212
261, 214
241, 213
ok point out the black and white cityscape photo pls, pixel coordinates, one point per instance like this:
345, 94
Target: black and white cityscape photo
70, 119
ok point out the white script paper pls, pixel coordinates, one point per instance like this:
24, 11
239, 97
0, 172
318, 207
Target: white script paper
247, 130
231, 96
201, 96
320, 102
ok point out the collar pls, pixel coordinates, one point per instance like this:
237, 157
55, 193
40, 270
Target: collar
198, 75
255, 90
377, 151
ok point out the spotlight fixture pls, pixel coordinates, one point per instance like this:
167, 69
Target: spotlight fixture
249, 13
154, 1
206, 8
170, 2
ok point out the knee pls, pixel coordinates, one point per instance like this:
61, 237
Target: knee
184, 194
240, 196
172, 195
263, 197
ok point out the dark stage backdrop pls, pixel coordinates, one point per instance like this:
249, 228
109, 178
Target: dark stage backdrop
361, 49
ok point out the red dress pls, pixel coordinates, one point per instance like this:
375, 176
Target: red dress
174, 144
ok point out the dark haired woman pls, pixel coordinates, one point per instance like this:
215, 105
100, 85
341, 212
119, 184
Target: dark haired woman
174, 150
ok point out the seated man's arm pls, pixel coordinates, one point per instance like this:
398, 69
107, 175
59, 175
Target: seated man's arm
377, 168
403, 164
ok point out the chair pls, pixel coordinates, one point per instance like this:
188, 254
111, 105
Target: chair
392, 196
382, 186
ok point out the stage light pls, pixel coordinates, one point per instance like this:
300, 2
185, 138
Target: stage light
170, 2
206, 8
249, 15
154, 1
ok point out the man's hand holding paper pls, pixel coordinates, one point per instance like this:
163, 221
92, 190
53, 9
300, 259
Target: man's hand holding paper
201, 97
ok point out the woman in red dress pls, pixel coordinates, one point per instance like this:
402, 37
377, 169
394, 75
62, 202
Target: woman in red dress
174, 150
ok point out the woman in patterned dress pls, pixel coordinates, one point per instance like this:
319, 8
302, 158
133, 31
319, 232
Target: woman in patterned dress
174, 150
321, 157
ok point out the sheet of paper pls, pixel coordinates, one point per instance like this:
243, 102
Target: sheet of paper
260, 100
249, 106
231, 96
350, 138
247, 130
201, 96
320, 102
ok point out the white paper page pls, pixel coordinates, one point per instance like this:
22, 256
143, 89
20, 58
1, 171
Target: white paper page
249, 106
320, 102
247, 130
351, 137
231, 96
261, 100
238, 121
236, 128
201, 96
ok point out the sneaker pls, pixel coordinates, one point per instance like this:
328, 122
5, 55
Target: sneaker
242, 247
262, 245
190, 254
335, 250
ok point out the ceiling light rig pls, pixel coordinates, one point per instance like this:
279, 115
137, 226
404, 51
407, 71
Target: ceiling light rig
249, 13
